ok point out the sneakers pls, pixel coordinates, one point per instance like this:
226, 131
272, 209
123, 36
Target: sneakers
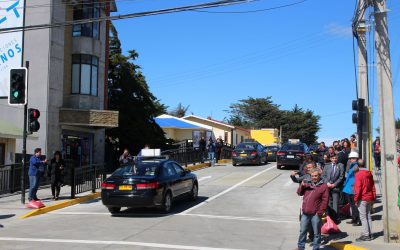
363, 238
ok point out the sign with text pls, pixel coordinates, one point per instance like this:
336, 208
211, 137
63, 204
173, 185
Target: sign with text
11, 15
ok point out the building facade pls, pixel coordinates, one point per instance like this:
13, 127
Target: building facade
67, 82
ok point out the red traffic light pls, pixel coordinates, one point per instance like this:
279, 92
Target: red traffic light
34, 113
33, 123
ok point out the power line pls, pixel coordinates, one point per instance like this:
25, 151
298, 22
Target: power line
252, 11
127, 16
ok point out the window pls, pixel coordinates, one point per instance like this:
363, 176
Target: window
178, 168
168, 170
84, 74
87, 9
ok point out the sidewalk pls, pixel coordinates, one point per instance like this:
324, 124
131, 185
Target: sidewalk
347, 239
12, 209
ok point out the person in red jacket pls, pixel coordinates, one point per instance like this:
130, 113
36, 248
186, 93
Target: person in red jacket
364, 196
315, 202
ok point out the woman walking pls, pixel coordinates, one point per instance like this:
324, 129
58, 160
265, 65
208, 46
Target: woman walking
56, 172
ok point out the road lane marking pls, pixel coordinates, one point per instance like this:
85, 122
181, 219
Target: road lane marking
226, 190
106, 242
240, 218
288, 183
205, 178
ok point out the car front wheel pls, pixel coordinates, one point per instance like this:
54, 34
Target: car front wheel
114, 210
195, 192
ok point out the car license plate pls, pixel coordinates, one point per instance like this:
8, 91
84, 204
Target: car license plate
243, 154
290, 156
125, 187
269, 153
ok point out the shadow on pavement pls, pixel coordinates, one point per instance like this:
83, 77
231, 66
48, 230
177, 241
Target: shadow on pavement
327, 238
6, 216
177, 207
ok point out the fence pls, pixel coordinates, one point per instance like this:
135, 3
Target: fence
81, 179
188, 155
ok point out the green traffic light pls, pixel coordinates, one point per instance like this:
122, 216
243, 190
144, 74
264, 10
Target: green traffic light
16, 94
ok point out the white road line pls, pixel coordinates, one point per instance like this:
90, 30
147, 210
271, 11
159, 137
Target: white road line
205, 178
227, 190
104, 242
240, 218
288, 183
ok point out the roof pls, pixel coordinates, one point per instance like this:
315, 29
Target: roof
217, 122
169, 121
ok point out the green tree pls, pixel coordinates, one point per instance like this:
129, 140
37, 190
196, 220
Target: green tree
398, 123
129, 93
257, 113
179, 111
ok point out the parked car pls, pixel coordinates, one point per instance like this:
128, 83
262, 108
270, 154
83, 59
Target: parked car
148, 183
249, 153
291, 154
271, 152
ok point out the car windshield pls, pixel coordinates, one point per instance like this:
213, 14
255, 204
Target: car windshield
271, 148
297, 147
247, 146
140, 169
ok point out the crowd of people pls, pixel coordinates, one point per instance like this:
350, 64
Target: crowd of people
337, 177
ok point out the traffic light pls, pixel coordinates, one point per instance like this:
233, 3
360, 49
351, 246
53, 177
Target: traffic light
18, 86
33, 123
360, 116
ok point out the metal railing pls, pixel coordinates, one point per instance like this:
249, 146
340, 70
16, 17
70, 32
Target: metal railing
10, 178
85, 178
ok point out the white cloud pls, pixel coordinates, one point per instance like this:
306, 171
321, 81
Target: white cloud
339, 30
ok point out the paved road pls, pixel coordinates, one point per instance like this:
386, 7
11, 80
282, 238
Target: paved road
245, 207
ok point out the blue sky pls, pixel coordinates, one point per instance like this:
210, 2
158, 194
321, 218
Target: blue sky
301, 54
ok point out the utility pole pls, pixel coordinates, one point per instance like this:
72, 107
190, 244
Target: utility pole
390, 176
359, 31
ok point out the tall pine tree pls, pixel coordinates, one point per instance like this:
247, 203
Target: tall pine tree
129, 93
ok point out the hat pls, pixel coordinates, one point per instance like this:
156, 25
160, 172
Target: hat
353, 155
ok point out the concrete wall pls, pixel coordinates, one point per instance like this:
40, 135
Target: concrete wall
9, 150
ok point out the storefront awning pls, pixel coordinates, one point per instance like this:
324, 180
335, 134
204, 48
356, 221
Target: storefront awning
9, 130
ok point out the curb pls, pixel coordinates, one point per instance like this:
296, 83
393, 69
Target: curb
60, 205
345, 246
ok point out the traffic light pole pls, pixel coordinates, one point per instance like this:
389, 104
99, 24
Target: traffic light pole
390, 175
25, 134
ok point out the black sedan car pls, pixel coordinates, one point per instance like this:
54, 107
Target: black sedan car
271, 152
291, 154
152, 183
249, 153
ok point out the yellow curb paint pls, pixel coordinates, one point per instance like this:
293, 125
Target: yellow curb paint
344, 246
60, 205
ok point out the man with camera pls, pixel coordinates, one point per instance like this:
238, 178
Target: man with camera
315, 201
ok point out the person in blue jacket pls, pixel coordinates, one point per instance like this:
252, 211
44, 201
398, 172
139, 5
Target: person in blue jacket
348, 189
36, 171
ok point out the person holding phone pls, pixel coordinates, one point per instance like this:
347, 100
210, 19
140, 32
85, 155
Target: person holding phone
36, 171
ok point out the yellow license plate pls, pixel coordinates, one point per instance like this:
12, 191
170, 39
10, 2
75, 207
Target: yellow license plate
125, 187
243, 154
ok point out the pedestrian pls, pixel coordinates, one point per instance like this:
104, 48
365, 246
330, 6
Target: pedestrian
218, 147
348, 189
315, 201
36, 171
333, 176
307, 159
364, 196
353, 142
211, 151
321, 150
202, 147
303, 175
56, 173
377, 153
125, 158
